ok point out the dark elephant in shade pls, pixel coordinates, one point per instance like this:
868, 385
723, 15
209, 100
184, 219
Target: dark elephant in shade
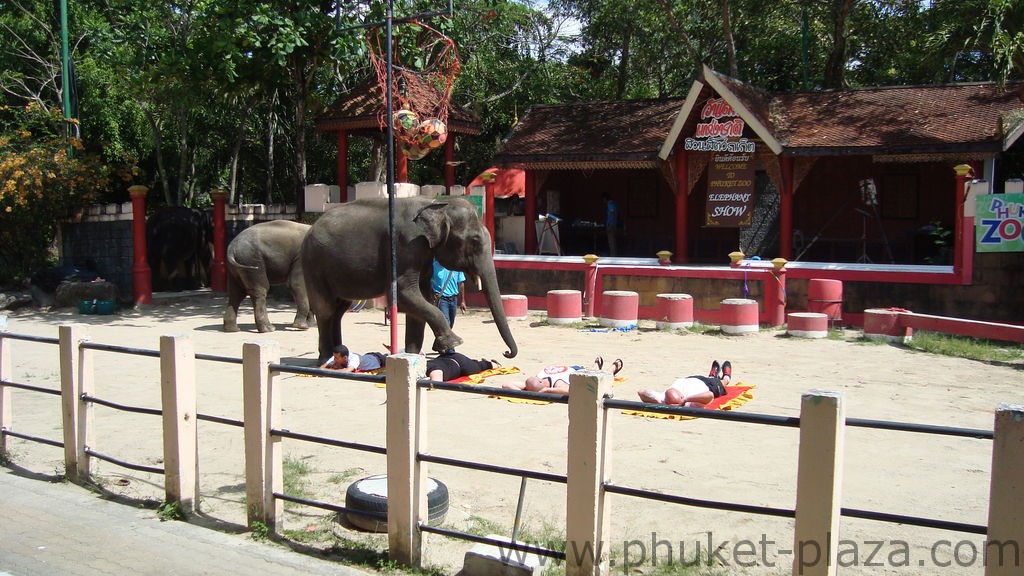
346, 257
179, 246
261, 256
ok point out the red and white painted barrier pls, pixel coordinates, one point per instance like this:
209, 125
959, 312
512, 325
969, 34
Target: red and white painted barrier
884, 324
807, 324
739, 316
564, 306
675, 311
515, 306
826, 297
619, 308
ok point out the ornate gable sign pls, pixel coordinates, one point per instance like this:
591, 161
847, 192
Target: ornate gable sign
730, 193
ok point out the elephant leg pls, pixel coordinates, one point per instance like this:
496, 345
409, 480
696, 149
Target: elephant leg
298, 288
329, 328
235, 296
419, 312
259, 306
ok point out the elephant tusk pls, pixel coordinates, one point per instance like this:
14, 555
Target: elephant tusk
479, 285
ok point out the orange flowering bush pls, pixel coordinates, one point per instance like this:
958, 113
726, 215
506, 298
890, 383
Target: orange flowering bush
40, 184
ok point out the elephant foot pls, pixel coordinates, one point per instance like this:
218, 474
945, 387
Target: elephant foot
442, 344
231, 327
298, 326
263, 328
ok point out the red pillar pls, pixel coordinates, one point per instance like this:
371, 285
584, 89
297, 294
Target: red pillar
449, 164
142, 280
963, 246
343, 165
775, 294
401, 166
218, 273
786, 209
530, 214
682, 198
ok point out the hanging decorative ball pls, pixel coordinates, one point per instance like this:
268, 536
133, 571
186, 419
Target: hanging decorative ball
411, 150
431, 133
405, 121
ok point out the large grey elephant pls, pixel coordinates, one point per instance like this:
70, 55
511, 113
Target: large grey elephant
346, 257
261, 256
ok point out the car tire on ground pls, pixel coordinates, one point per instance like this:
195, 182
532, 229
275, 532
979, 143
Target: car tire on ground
371, 495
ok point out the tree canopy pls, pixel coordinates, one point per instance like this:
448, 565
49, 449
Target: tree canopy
185, 96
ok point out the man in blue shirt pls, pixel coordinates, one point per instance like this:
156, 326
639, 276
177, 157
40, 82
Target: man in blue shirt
611, 225
450, 285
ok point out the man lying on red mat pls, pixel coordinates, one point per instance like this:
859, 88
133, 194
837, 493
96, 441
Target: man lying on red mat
693, 391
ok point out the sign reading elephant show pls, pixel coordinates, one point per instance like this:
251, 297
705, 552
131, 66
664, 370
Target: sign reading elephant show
730, 194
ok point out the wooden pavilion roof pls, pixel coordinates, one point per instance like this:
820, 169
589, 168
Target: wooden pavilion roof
360, 109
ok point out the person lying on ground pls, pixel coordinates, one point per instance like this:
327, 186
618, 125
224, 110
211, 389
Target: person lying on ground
693, 391
451, 365
554, 379
346, 361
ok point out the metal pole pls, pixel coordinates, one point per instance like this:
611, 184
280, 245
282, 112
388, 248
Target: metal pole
393, 245
519, 511
65, 71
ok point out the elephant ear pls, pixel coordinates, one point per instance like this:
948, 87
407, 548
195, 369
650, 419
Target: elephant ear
433, 220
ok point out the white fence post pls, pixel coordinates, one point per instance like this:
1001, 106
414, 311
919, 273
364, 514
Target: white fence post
6, 372
407, 477
262, 412
588, 467
178, 402
1006, 494
76, 379
819, 483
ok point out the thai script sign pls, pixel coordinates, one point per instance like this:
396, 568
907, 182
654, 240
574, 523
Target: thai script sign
730, 194
999, 222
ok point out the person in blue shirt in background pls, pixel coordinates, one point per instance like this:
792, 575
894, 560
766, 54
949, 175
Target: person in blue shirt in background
449, 288
611, 224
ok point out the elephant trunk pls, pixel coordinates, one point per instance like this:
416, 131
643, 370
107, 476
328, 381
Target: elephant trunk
487, 275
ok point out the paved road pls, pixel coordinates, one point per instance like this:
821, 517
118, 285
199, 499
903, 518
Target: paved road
49, 529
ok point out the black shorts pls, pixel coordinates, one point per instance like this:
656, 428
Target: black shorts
713, 384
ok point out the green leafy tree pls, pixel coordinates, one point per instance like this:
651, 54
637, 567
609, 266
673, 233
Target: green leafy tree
40, 184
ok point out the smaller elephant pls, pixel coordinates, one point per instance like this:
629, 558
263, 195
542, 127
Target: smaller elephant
261, 256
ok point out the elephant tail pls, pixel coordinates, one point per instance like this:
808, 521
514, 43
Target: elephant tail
236, 263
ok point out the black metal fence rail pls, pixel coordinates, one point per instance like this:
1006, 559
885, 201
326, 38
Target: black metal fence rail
28, 338
122, 463
492, 391
31, 438
381, 516
30, 387
220, 420
328, 441
216, 358
119, 349
122, 407
790, 421
323, 372
520, 472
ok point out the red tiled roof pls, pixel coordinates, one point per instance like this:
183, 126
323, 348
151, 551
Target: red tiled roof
891, 120
361, 107
594, 133
897, 118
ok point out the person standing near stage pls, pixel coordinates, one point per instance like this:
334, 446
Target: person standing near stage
611, 224
449, 288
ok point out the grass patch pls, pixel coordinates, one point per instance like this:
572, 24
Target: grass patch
966, 347
345, 475
170, 511
478, 526
295, 483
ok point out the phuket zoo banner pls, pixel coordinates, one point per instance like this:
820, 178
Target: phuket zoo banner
730, 194
998, 223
